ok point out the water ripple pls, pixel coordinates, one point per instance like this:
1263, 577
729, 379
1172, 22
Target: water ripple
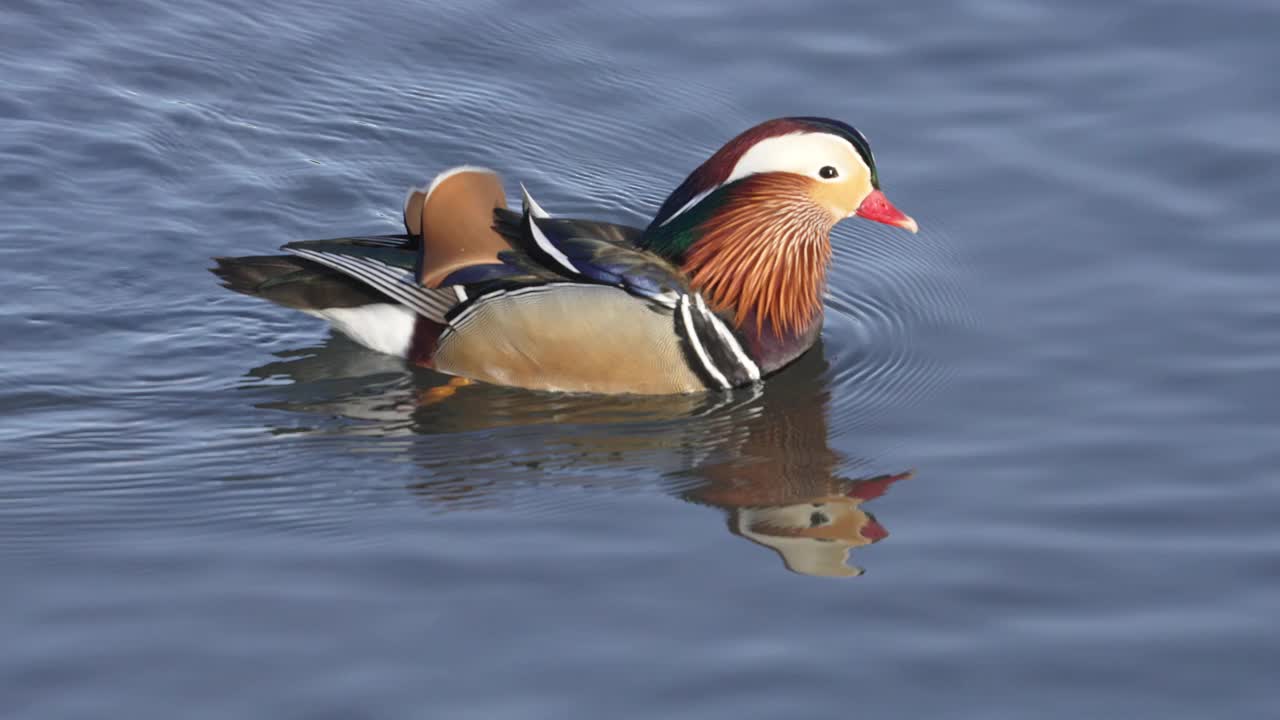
888, 292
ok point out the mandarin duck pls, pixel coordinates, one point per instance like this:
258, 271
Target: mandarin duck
721, 289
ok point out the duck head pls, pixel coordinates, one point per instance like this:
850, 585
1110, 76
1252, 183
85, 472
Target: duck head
751, 226
814, 537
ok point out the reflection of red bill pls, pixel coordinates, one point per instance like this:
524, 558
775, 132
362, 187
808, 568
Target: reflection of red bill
877, 207
873, 530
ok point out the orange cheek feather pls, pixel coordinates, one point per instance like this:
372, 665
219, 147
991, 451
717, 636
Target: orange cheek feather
838, 198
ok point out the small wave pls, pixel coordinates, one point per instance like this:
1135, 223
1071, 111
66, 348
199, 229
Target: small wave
888, 292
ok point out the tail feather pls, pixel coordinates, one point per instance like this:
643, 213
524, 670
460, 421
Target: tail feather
294, 282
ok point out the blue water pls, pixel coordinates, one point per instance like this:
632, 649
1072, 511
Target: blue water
209, 507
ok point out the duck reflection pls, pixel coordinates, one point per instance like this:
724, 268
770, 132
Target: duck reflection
761, 456
813, 528
779, 483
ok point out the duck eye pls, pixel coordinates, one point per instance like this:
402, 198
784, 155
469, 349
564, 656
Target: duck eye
827, 172
817, 519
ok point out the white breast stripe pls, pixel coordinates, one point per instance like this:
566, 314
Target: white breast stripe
726, 337
548, 248
461, 292
394, 282
696, 342
668, 298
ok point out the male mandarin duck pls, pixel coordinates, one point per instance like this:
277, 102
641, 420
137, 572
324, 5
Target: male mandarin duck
721, 289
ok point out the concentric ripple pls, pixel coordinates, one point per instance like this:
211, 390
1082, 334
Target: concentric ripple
889, 295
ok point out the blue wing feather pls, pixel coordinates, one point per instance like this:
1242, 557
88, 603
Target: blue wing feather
596, 252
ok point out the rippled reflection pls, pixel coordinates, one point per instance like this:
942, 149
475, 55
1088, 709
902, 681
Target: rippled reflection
761, 456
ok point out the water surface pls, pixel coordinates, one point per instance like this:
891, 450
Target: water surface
1029, 472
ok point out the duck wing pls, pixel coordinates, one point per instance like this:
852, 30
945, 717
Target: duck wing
586, 254
385, 264
448, 227
527, 299
588, 251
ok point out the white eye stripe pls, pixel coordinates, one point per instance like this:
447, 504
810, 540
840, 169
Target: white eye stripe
803, 153
800, 153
